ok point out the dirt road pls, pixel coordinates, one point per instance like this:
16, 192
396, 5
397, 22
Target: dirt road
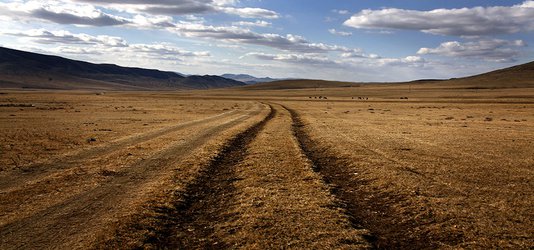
260, 192
65, 204
283, 174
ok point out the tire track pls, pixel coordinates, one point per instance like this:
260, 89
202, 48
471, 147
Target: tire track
23, 199
66, 225
190, 224
280, 202
374, 209
37, 171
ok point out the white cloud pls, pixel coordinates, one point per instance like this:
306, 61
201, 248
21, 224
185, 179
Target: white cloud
457, 22
359, 54
242, 35
165, 51
65, 37
346, 63
409, 62
185, 7
339, 33
258, 23
495, 50
61, 13
341, 12
250, 12
68, 43
301, 59
158, 21
85, 12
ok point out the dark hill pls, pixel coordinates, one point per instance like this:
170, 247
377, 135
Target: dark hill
299, 84
19, 69
248, 79
520, 76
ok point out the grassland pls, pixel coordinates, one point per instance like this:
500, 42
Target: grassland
443, 167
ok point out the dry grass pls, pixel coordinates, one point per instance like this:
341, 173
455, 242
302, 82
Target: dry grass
85, 189
280, 202
462, 182
61, 123
447, 167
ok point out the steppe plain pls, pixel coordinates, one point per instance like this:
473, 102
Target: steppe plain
369, 166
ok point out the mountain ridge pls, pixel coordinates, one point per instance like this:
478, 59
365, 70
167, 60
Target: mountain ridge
518, 76
248, 79
22, 69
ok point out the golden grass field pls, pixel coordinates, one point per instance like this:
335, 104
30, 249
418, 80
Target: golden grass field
448, 167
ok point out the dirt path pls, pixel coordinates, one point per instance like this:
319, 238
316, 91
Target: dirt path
261, 192
427, 192
371, 209
9, 179
76, 221
55, 186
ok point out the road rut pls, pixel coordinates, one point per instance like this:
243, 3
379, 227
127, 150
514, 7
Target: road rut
261, 192
75, 222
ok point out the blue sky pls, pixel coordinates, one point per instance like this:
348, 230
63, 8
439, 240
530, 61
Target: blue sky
350, 40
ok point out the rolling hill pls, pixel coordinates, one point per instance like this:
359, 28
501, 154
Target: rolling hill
19, 69
248, 79
520, 76
299, 84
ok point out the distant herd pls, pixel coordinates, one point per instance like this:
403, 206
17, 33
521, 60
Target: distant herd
353, 98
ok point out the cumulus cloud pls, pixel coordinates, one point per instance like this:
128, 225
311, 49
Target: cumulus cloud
250, 12
62, 13
65, 37
69, 18
409, 61
311, 59
158, 21
341, 12
339, 33
70, 43
359, 54
165, 51
259, 23
301, 59
85, 12
185, 7
475, 21
495, 50
235, 34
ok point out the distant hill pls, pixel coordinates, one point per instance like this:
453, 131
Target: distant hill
248, 79
299, 84
19, 69
513, 77
210, 81
520, 76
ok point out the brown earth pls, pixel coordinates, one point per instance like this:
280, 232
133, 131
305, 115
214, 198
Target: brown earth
445, 168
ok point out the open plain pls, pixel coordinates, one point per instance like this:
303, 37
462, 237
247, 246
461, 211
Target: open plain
384, 166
